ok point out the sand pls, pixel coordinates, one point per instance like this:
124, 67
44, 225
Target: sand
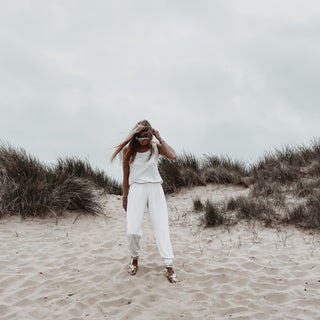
78, 269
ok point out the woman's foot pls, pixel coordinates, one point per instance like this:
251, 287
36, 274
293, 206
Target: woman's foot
171, 276
133, 267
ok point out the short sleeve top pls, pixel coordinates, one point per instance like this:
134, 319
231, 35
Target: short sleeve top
145, 170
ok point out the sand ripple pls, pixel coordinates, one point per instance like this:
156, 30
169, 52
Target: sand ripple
78, 271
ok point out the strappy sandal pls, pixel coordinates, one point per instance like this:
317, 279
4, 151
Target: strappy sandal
172, 278
132, 269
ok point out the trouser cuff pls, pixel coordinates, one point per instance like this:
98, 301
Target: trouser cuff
168, 263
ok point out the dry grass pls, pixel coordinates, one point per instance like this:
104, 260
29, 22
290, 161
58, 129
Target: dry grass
188, 171
31, 188
197, 204
284, 187
307, 214
223, 170
83, 169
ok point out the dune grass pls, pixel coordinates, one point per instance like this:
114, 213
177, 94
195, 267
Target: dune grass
284, 187
183, 172
278, 168
223, 170
236, 209
214, 215
197, 204
30, 188
83, 169
288, 165
306, 214
189, 171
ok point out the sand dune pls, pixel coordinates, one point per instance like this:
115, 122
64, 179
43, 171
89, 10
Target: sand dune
78, 270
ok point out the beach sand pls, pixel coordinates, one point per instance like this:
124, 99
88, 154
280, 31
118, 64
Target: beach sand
77, 268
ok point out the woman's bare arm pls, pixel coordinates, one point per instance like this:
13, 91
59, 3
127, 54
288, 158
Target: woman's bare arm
125, 184
164, 148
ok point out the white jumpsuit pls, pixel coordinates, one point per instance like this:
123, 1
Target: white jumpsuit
145, 189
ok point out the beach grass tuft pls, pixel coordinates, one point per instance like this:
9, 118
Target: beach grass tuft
197, 204
284, 186
307, 214
214, 215
29, 187
75, 167
188, 171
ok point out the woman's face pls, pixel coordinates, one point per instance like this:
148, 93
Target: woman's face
143, 138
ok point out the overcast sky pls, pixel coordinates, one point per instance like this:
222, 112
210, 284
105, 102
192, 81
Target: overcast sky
234, 78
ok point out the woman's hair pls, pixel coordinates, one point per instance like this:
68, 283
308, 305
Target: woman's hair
130, 144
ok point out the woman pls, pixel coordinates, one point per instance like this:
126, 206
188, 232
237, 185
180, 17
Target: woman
142, 187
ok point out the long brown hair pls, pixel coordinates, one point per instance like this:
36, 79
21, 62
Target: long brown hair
130, 144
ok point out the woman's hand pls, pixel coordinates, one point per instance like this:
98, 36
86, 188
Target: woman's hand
156, 134
124, 204
164, 149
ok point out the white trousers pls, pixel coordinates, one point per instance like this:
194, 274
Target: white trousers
141, 194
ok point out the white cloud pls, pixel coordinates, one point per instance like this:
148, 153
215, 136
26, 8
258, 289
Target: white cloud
233, 78
296, 10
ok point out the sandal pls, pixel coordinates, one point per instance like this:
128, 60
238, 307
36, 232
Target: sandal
172, 278
132, 269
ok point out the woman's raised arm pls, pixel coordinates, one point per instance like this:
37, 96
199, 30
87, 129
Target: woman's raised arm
164, 149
